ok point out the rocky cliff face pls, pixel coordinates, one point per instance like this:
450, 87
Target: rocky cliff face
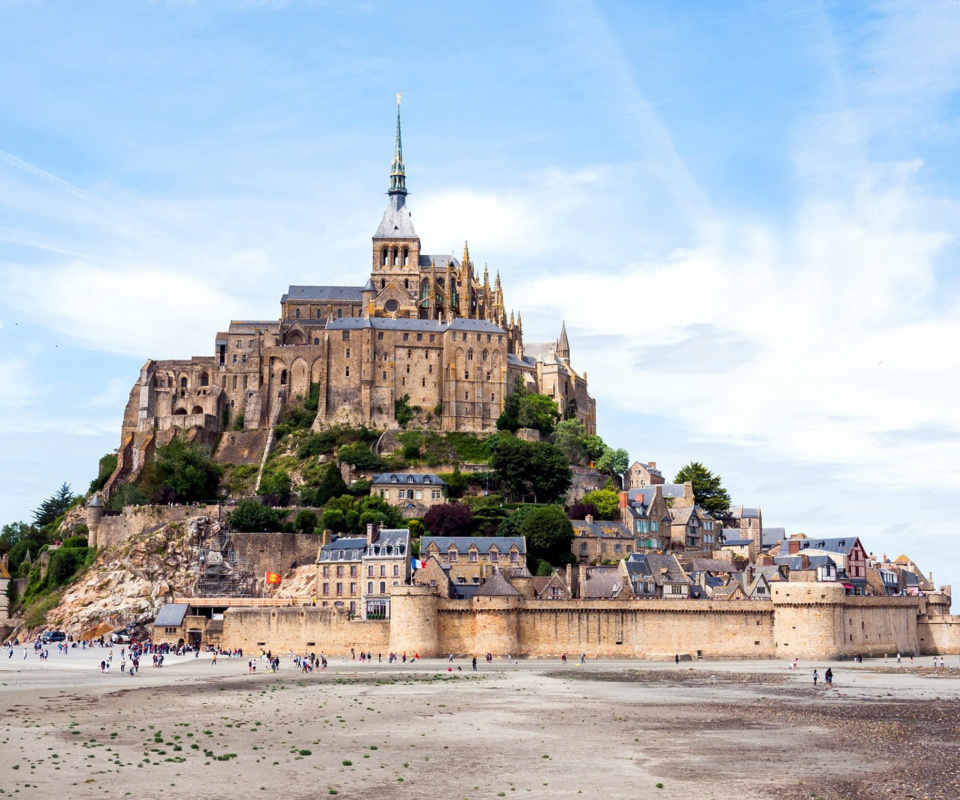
128, 583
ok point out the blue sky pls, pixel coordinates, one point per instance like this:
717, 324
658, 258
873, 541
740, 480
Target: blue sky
745, 213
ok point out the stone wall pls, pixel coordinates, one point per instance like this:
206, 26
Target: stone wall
939, 635
116, 529
302, 628
275, 552
804, 620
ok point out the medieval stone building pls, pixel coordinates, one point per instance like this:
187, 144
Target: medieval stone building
427, 331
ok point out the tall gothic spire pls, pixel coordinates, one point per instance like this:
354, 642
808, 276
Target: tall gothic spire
398, 177
563, 345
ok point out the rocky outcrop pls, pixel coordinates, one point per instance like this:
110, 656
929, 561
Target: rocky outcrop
128, 583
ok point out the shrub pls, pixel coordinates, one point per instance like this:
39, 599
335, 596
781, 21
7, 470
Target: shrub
317, 444
402, 412
127, 494
65, 563
275, 488
35, 613
107, 466
75, 541
360, 456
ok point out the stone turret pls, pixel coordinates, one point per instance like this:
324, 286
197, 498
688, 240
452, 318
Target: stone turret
94, 515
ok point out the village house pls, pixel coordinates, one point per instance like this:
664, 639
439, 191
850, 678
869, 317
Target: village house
471, 558
655, 576
693, 528
848, 554
748, 522
356, 573
640, 475
597, 541
412, 493
646, 513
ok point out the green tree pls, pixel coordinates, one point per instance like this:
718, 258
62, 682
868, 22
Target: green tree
549, 535
331, 485
16, 532
511, 525
55, 505
606, 501
250, 516
334, 519
594, 446
181, 472
402, 412
613, 462
539, 412
537, 468
305, 521
570, 436
708, 491
509, 417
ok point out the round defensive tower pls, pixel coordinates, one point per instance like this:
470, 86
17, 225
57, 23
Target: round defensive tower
413, 620
94, 515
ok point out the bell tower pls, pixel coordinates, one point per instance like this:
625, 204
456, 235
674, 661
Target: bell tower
396, 246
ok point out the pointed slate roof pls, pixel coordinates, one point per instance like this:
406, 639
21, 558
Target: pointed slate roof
397, 222
496, 586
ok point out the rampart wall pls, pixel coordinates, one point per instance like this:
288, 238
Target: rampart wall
326, 630
809, 620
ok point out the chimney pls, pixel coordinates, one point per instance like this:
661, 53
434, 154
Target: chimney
804, 562
570, 579
793, 546
623, 499
583, 579
369, 534
589, 519
325, 537
653, 464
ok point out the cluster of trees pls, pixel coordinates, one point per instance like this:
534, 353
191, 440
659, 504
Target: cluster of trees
346, 514
24, 542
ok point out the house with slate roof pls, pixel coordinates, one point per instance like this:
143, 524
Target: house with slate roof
655, 576
748, 523
646, 513
642, 474
596, 541
471, 559
356, 573
693, 528
413, 493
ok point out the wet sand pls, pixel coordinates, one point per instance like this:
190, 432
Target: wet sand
610, 729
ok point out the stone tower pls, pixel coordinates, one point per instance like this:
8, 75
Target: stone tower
396, 246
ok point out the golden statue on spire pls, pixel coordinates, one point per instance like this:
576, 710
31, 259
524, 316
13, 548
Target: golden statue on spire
399, 95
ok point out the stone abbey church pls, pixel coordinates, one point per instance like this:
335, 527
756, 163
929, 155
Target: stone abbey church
424, 326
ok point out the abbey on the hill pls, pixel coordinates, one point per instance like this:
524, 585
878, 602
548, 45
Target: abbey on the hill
425, 331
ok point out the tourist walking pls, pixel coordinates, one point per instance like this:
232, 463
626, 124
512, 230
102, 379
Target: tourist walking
816, 677
828, 676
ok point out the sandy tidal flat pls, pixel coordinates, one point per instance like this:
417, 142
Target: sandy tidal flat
715, 731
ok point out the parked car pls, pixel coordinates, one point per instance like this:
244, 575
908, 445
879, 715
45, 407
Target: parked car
53, 636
